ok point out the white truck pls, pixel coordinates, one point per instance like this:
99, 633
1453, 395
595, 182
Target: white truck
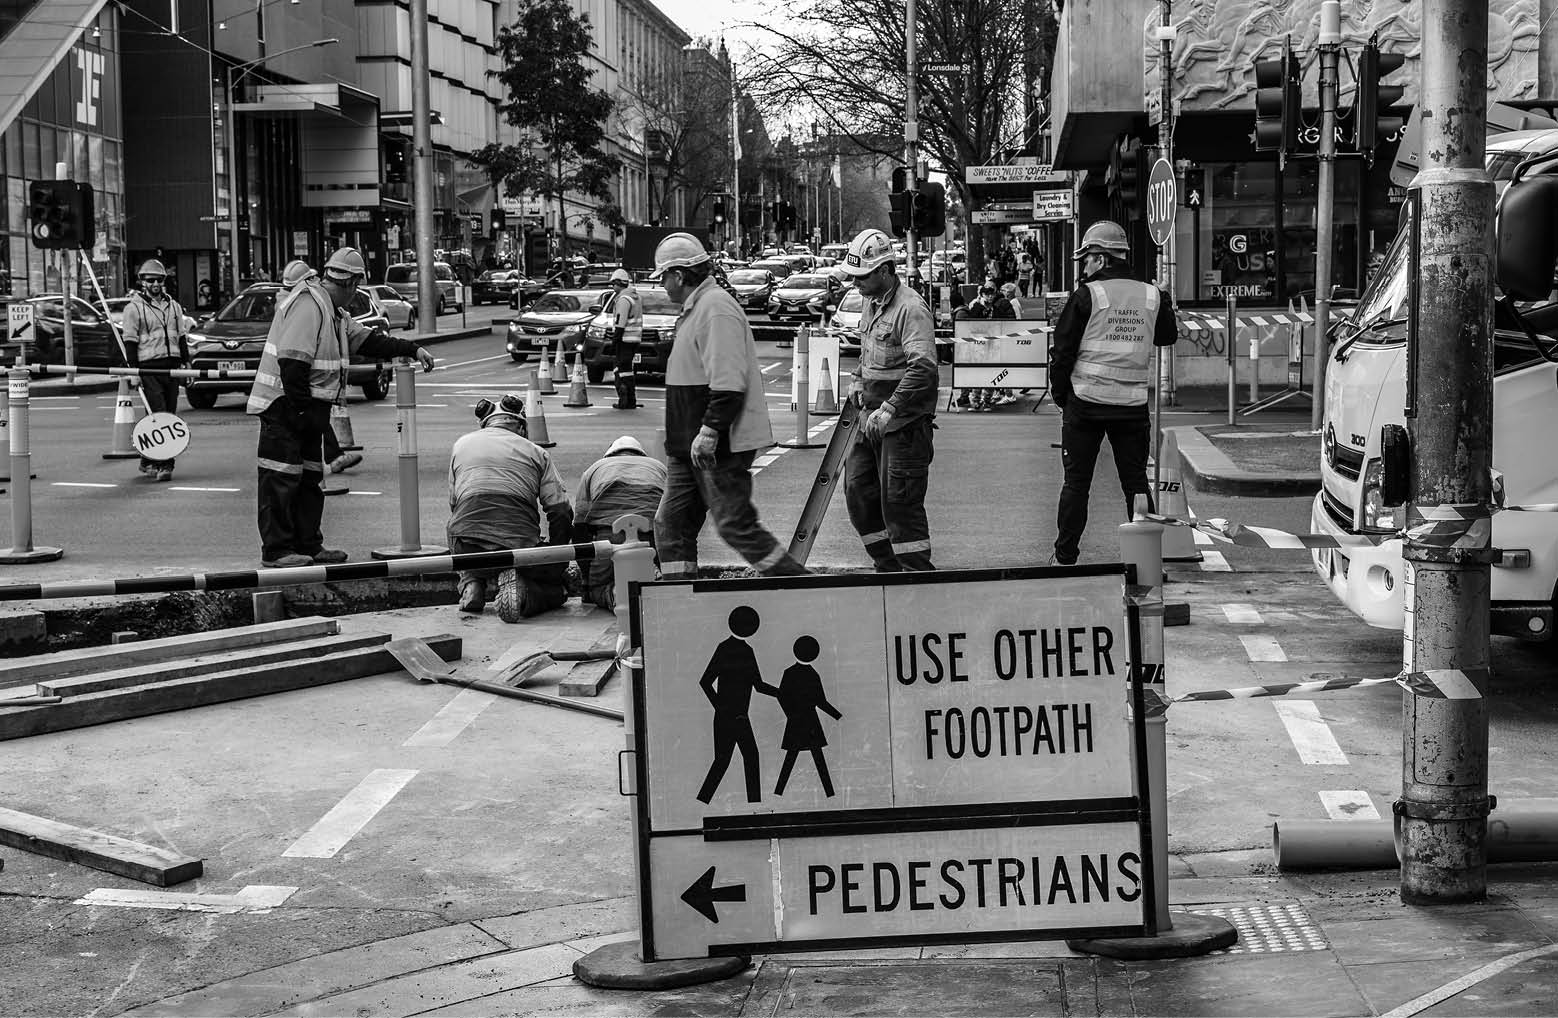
1365, 392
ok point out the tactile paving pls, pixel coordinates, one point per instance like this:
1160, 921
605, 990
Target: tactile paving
1269, 929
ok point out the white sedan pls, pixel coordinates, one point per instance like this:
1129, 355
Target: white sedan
402, 314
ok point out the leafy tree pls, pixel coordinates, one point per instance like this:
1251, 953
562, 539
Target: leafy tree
561, 119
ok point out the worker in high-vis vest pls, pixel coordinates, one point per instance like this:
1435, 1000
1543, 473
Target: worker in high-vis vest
627, 337
156, 338
302, 373
1099, 371
888, 469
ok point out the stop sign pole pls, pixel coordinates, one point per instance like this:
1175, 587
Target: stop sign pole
1162, 204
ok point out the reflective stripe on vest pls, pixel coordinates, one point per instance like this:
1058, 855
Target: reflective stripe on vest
324, 352
1116, 345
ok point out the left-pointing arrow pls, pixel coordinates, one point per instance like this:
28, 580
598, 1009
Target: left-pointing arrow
703, 894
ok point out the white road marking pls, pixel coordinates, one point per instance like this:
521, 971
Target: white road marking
176, 487
256, 899
350, 815
766, 368
1310, 734
449, 722
1417, 1005
1243, 614
1353, 804
1201, 539
1262, 648
355, 492
479, 360
1213, 562
80, 484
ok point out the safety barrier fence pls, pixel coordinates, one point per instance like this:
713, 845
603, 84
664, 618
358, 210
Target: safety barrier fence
55, 370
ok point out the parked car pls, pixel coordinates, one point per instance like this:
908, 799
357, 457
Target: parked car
943, 262
558, 316
752, 287
403, 278
804, 298
495, 286
399, 312
845, 323
654, 353
91, 336
778, 267
234, 338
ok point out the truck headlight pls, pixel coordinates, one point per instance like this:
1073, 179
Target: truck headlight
1376, 514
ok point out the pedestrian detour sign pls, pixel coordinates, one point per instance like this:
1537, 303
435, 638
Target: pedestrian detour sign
825, 762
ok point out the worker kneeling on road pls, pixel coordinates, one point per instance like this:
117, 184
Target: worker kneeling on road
625, 480
302, 373
716, 418
1099, 372
497, 479
155, 338
895, 384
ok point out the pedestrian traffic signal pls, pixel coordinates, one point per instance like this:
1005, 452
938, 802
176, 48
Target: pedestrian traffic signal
499, 221
900, 211
788, 213
60, 215
719, 212
1378, 116
900, 180
930, 210
1277, 102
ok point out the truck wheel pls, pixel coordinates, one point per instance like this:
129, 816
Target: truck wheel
200, 399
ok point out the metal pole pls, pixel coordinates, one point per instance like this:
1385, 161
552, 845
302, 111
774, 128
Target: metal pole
232, 182
410, 497
422, 156
67, 276
1547, 50
1141, 544
1325, 201
911, 128
1166, 145
1233, 361
1442, 813
735, 157
22, 549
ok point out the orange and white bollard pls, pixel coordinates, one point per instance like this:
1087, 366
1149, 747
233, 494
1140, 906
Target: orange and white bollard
411, 545
22, 549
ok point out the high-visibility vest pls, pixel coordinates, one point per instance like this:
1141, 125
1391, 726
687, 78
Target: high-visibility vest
319, 342
155, 327
629, 315
1116, 345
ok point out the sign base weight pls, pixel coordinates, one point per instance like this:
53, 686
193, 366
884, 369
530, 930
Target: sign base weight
619, 967
1192, 935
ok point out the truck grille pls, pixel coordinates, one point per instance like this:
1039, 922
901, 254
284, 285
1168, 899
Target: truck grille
1340, 514
1347, 462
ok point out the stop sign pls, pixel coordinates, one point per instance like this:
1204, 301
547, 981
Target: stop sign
1161, 202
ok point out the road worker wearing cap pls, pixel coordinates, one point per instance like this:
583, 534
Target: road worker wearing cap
627, 335
156, 338
301, 374
886, 474
716, 419
625, 480
1099, 366
499, 484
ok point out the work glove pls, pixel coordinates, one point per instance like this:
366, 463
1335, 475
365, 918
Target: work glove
705, 447
425, 359
876, 424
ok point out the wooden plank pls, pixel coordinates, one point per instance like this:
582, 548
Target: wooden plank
200, 690
20, 671
300, 650
120, 856
588, 678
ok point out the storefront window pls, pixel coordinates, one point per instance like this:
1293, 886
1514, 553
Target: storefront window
1300, 184
1241, 237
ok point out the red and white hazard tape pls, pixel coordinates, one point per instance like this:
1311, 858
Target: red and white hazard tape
1268, 537
1434, 683
1203, 322
1281, 689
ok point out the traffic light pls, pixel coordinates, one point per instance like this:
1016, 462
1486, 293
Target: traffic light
1378, 116
789, 216
394, 163
1277, 104
900, 211
537, 253
719, 212
60, 214
930, 210
499, 221
900, 180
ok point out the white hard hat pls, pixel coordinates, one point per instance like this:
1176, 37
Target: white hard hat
1104, 237
297, 271
152, 267
621, 276
869, 249
627, 443
346, 261
679, 251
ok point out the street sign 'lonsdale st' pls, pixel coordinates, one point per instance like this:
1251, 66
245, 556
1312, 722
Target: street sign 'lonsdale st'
861, 760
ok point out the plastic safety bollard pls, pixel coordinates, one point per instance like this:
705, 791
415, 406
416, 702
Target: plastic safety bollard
121, 444
22, 549
411, 545
801, 368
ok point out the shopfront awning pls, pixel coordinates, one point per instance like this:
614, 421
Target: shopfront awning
31, 51
339, 129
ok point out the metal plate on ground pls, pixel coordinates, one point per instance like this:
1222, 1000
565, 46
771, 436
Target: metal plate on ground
1269, 928
416, 657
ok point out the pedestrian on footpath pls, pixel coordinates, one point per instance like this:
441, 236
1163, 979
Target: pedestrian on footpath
627, 335
625, 480
155, 338
302, 373
895, 386
716, 418
499, 484
1099, 373
1025, 273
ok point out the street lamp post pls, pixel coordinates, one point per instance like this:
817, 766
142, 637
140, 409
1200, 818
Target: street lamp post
232, 145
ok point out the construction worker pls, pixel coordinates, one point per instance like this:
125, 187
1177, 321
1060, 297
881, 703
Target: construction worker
1099, 373
301, 374
497, 480
716, 418
627, 334
155, 338
886, 474
335, 458
625, 480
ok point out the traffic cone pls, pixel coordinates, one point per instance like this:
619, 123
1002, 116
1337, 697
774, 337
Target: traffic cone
341, 424
124, 425
578, 388
1179, 543
544, 375
535, 418
560, 365
827, 403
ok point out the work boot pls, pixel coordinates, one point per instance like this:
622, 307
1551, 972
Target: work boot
473, 595
164, 474
329, 557
291, 560
148, 469
345, 461
508, 601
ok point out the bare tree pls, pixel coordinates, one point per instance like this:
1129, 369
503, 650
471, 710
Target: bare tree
686, 122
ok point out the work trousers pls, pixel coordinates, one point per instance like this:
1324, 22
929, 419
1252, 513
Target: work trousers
724, 491
885, 480
541, 588
291, 499
1083, 428
626, 374
162, 396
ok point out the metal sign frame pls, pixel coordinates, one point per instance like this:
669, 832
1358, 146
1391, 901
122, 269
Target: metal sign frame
1134, 809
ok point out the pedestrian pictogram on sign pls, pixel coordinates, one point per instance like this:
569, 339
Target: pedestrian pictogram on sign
844, 761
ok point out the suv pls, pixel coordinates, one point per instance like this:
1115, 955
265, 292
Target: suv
654, 353
234, 338
91, 334
403, 278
